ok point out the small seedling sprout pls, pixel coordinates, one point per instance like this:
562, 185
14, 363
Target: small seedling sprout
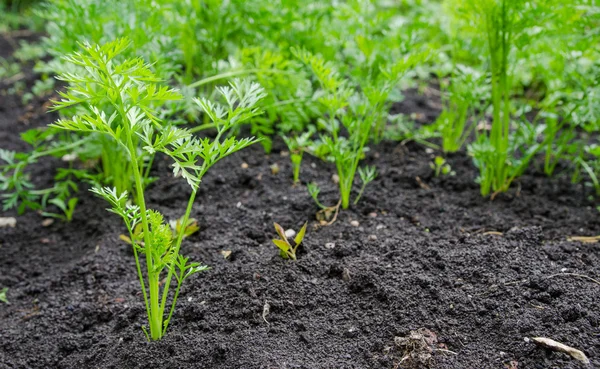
286, 250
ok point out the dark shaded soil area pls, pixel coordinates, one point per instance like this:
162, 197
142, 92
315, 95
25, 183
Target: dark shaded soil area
427, 253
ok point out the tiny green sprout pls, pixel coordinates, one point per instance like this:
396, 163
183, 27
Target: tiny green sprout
367, 174
68, 208
3, 295
286, 250
314, 190
440, 166
297, 145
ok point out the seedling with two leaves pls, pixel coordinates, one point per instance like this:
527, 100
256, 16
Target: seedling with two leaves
440, 166
286, 249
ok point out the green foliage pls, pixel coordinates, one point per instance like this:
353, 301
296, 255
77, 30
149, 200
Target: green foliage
286, 250
17, 14
3, 297
19, 189
465, 90
314, 191
440, 166
297, 146
329, 72
120, 100
351, 113
367, 175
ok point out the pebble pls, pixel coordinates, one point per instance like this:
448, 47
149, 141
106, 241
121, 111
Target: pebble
351, 332
69, 157
372, 237
244, 165
290, 233
330, 245
354, 223
274, 168
47, 222
335, 178
8, 222
380, 226
373, 215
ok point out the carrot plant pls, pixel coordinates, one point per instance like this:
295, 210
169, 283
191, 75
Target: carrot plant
19, 190
464, 92
297, 146
351, 114
504, 24
132, 122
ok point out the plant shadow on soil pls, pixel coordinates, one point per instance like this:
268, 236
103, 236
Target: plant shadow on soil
421, 257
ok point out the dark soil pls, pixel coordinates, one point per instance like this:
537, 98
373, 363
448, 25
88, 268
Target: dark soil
422, 258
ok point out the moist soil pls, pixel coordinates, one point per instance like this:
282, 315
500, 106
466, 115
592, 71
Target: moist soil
419, 256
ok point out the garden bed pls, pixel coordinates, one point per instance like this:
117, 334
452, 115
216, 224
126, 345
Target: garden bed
417, 252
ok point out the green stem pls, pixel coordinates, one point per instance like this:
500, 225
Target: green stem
233, 74
58, 149
202, 127
184, 221
168, 320
138, 266
154, 318
362, 189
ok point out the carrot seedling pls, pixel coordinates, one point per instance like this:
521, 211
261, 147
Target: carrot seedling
440, 166
297, 146
133, 123
352, 112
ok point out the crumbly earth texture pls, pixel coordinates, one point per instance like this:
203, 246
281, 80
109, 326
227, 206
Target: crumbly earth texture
423, 272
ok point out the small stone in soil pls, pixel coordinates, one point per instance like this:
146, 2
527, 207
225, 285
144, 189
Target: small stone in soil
47, 222
330, 245
351, 332
274, 168
8, 222
244, 165
290, 233
372, 237
354, 223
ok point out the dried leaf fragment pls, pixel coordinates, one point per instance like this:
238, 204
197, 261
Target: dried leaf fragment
584, 239
557, 346
266, 311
